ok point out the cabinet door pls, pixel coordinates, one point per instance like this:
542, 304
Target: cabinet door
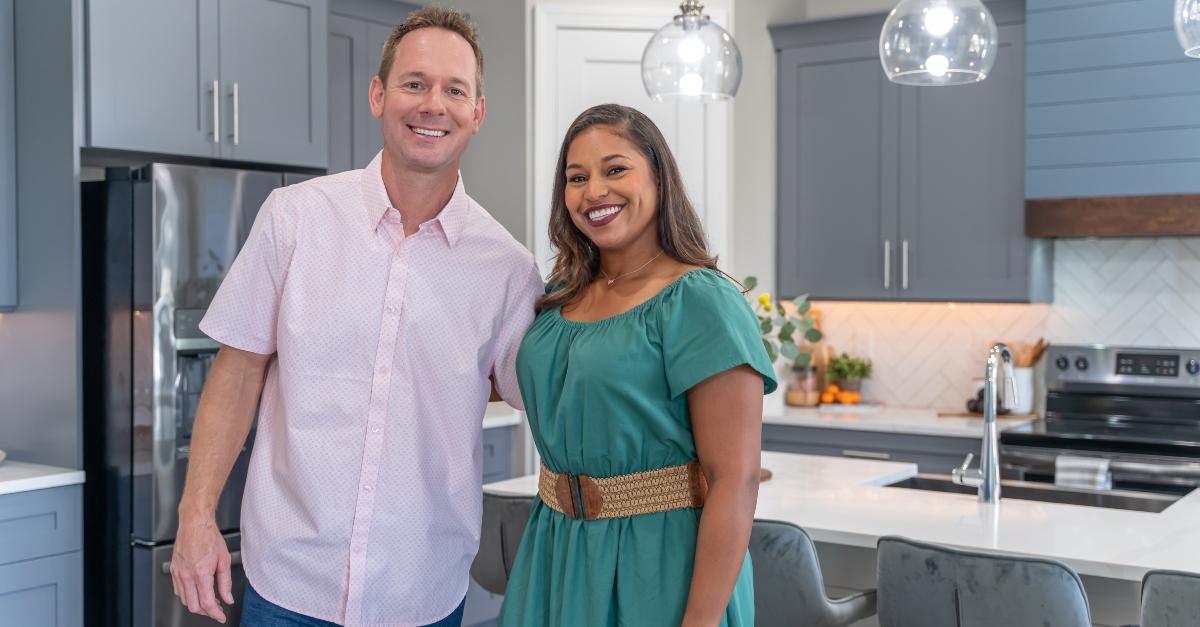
8, 161
152, 65
962, 208
45, 592
274, 81
347, 93
837, 172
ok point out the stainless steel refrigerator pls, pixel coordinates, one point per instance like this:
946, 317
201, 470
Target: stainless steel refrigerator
157, 242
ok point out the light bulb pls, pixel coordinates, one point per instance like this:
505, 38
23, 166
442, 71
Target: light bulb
690, 50
691, 84
939, 20
937, 65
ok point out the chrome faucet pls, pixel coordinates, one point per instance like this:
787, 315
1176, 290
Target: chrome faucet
987, 476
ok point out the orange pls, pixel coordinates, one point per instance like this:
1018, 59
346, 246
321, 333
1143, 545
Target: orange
827, 397
832, 388
847, 398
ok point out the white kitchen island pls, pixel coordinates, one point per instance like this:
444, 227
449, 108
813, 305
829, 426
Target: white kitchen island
844, 506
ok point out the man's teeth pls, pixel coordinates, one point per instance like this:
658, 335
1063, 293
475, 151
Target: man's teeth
600, 214
428, 132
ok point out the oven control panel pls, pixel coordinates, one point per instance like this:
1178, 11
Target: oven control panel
1121, 365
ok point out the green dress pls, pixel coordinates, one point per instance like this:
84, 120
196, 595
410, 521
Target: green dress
609, 398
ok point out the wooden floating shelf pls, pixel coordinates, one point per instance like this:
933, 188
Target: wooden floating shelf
1114, 216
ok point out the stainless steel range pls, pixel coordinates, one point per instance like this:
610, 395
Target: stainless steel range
1137, 407
157, 243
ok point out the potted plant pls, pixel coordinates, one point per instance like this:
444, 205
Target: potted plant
786, 328
848, 372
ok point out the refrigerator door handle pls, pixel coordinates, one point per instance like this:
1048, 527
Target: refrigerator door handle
235, 559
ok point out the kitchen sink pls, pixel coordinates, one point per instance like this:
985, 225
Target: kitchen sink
1048, 493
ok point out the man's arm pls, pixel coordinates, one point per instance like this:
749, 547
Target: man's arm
223, 420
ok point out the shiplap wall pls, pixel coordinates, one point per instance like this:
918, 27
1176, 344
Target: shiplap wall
1112, 104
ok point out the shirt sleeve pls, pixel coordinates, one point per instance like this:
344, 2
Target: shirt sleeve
518, 315
244, 310
708, 328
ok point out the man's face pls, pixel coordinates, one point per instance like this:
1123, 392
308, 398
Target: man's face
429, 107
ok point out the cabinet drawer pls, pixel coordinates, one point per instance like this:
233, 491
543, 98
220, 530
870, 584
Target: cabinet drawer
44, 592
497, 454
40, 523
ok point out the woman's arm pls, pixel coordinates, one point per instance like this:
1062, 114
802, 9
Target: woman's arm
727, 424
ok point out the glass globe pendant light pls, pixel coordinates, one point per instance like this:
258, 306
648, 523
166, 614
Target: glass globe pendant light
691, 58
938, 42
1187, 26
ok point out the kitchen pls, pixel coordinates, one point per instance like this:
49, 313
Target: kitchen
828, 180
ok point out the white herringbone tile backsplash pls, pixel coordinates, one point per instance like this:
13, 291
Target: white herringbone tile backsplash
1135, 292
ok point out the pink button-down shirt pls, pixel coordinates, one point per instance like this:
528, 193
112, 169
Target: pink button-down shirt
363, 500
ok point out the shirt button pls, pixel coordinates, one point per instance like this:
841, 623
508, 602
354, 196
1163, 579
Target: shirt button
367, 488
391, 309
375, 428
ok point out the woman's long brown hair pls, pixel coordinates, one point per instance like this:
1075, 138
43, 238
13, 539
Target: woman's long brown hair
680, 232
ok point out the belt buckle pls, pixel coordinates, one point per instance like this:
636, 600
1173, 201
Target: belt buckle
580, 489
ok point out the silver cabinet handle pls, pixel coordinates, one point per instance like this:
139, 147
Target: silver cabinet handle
887, 264
216, 92
865, 454
904, 264
237, 109
235, 559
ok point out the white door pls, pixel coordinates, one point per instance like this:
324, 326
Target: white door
590, 55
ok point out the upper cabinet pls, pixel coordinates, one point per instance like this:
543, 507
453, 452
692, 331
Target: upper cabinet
232, 79
357, 31
1111, 105
8, 161
901, 193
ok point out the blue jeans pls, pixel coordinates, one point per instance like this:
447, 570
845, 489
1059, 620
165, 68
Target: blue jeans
259, 612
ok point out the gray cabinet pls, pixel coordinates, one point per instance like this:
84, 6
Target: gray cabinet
8, 160
889, 192
235, 79
41, 566
931, 454
357, 32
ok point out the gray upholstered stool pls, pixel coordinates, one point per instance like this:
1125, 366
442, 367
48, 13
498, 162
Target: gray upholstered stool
504, 520
1170, 599
788, 588
926, 585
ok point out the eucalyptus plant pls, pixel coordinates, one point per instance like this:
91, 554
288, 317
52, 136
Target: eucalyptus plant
782, 331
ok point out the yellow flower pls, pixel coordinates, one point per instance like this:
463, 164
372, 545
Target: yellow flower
767, 306
765, 299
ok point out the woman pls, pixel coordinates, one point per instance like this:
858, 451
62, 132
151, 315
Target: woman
643, 359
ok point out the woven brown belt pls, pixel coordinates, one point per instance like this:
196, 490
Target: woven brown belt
590, 498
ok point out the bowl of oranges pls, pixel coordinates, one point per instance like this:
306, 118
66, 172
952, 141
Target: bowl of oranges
833, 394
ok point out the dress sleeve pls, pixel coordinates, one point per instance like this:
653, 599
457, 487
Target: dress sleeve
708, 328
244, 310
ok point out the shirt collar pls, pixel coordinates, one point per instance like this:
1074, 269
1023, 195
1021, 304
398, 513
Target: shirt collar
452, 218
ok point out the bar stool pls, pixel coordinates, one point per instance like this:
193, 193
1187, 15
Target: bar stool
926, 585
504, 520
1170, 599
789, 590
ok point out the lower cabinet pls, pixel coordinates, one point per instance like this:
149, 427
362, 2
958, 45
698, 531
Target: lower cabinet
932, 454
483, 607
41, 563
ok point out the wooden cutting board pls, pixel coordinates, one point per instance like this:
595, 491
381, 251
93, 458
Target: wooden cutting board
963, 414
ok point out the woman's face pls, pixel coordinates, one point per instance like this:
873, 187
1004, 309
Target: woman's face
610, 192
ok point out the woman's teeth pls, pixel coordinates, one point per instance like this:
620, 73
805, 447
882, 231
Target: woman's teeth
600, 214
428, 132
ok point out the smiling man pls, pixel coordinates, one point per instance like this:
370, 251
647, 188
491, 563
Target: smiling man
373, 312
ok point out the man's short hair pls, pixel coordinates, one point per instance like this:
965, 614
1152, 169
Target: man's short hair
452, 20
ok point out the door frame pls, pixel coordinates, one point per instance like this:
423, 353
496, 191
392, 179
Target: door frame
548, 18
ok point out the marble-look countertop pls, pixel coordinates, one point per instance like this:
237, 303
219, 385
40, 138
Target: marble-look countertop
500, 414
843, 501
886, 419
23, 477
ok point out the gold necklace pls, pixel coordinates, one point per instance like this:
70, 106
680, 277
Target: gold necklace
610, 281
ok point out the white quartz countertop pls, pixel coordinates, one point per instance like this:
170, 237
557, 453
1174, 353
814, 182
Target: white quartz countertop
23, 477
886, 419
843, 501
500, 414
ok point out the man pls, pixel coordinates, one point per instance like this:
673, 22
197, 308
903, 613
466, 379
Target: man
369, 310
